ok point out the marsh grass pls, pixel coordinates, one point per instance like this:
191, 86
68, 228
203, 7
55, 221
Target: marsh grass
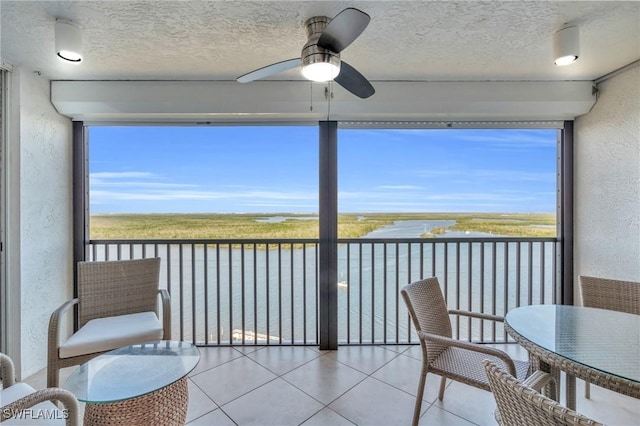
246, 225
512, 225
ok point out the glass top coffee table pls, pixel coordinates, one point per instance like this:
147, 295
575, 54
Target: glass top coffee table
142, 384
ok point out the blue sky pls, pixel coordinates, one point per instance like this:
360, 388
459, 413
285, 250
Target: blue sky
274, 169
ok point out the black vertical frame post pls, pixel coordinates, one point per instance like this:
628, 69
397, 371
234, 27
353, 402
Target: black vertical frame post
566, 213
328, 249
80, 200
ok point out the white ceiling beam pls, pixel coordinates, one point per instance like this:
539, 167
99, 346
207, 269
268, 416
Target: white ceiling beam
299, 101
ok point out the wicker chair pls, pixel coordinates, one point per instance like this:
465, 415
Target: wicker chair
441, 354
615, 295
520, 404
117, 306
21, 404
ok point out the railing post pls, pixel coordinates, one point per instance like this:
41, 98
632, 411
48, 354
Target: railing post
328, 250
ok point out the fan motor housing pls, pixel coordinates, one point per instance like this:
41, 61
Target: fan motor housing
311, 52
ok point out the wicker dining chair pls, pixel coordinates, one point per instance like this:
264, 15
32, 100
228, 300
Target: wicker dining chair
521, 404
441, 354
615, 295
117, 306
22, 404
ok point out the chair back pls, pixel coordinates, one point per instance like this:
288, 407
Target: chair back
520, 405
615, 295
7, 372
428, 311
117, 288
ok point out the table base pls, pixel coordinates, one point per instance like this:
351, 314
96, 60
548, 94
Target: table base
542, 359
167, 406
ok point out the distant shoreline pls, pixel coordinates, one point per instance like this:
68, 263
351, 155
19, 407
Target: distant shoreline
290, 225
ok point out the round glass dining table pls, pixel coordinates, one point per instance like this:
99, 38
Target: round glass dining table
597, 345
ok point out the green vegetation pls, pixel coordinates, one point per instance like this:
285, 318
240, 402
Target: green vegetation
246, 226
520, 225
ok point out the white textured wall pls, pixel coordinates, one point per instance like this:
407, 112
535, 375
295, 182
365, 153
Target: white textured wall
607, 182
45, 215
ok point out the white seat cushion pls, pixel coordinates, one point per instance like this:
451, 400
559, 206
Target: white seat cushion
44, 413
105, 334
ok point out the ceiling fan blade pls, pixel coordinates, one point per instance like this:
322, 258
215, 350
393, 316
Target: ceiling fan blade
353, 81
343, 29
269, 70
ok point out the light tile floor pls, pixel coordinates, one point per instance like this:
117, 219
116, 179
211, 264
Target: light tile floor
355, 385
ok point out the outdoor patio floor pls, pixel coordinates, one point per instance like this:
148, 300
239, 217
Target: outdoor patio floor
361, 385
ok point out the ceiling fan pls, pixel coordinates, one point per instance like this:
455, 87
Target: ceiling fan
320, 58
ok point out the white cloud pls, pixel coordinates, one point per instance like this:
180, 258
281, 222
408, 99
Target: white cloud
134, 184
502, 139
510, 139
108, 176
163, 194
281, 205
469, 175
120, 175
399, 187
108, 186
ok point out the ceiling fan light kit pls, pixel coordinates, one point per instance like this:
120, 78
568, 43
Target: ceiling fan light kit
320, 58
321, 71
566, 46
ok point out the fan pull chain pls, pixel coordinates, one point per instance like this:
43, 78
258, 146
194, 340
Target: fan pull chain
328, 95
310, 96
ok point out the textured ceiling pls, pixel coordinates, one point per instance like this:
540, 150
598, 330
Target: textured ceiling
409, 40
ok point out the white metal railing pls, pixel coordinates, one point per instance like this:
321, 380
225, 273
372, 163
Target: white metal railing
244, 292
